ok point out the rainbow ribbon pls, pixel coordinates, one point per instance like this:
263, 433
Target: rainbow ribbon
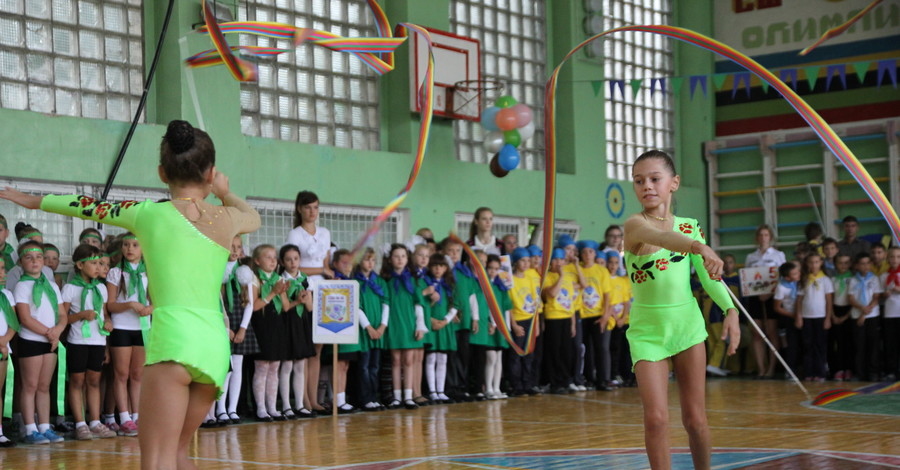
240, 69
377, 53
840, 29
821, 128
485, 283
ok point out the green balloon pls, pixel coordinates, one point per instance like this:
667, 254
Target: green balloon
512, 137
506, 101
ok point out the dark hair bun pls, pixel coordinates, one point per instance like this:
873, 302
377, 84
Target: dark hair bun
180, 136
20, 226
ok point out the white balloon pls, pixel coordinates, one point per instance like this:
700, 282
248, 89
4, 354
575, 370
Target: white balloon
493, 142
526, 131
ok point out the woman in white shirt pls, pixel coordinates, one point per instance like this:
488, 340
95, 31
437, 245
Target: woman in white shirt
761, 308
315, 244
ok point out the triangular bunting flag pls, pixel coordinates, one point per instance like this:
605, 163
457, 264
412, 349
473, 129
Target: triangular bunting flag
888, 67
597, 85
695, 79
612, 88
812, 76
861, 69
676, 85
786, 74
738, 79
838, 69
719, 80
765, 87
635, 87
662, 85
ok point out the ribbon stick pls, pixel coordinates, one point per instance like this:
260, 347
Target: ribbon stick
821, 128
494, 307
840, 29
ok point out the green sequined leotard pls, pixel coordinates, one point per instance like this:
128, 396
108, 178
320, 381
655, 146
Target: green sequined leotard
185, 270
665, 316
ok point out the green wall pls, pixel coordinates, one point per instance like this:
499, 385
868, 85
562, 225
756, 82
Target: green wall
38, 145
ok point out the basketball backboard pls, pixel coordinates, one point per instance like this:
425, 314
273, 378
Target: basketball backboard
456, 59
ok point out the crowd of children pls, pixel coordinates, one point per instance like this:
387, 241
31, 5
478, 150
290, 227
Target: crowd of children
427, 335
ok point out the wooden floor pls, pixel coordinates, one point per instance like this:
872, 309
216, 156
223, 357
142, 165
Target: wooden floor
742, 414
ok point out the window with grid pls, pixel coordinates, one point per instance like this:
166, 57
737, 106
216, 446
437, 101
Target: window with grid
72, 57
522, 228
512, 35
637, 123
312, 95
346, 224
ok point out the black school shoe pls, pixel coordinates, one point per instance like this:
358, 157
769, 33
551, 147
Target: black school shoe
6, 442
410, 405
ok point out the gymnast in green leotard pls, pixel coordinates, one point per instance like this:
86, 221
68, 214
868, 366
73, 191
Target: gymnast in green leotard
186, 245
666, 321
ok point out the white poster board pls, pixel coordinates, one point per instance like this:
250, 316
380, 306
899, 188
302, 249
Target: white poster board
335, 312
758, 281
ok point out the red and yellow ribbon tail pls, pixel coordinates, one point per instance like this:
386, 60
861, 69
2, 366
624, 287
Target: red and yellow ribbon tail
840, 29
485, 283
240, 69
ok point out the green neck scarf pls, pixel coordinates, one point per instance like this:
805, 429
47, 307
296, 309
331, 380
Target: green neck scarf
232, 285
135, 280
294, 289
11, 319
42, 286
267, 283
841, 282
97, 302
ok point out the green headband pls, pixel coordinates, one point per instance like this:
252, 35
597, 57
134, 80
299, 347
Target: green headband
51, 248
89, 258
32, 234
39, 250
129, 237
91, 235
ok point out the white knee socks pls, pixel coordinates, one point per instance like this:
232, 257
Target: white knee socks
235, 382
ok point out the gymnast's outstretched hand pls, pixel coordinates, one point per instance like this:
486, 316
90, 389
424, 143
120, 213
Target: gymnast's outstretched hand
27, 201
731, 331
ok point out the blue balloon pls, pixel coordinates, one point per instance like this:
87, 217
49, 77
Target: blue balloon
508, 157
489, 118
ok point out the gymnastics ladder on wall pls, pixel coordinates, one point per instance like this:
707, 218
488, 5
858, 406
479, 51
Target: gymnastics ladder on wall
765, 146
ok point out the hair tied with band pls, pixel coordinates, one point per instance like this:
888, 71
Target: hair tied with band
180, 136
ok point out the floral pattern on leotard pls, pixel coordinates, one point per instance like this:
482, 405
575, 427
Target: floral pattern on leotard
644, 272
91, 207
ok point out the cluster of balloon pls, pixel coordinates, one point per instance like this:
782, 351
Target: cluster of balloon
508, 123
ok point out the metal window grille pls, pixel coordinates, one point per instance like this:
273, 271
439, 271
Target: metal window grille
346, 224
637, 123
72, 57
522, 227
512, 34
312, 95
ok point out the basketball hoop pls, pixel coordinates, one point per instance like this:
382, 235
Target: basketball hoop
466, 97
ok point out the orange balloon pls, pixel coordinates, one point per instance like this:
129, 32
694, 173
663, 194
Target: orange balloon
507, 119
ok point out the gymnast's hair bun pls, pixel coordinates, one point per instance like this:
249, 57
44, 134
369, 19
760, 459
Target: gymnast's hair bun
180, 136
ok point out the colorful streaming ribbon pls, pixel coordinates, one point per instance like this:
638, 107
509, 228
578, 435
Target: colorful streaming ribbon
840, 29
240, 69
377, 53
494, 306
821, 128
